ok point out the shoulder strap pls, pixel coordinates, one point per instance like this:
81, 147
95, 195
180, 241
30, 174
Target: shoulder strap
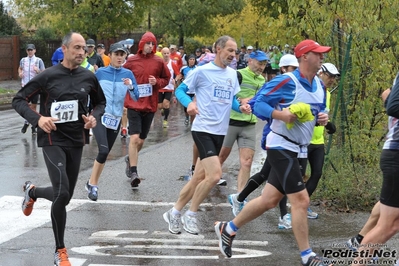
292, 76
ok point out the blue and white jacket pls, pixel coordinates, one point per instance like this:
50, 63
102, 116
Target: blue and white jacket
111, 81
281, 92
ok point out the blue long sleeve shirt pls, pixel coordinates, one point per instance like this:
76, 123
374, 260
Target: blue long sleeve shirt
111, 81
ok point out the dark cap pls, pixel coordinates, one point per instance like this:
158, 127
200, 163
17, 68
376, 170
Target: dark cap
30, 47
100, 45
117, 47
90, 42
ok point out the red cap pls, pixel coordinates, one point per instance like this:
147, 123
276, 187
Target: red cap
307, 46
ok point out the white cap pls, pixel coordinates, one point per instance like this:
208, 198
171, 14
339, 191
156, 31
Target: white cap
250, 48
288, 60
287, 45
330, 68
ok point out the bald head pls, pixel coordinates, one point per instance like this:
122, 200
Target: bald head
73, 45
166, 54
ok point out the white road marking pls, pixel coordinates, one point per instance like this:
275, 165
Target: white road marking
172, 242
11, 214
239, 253
77, 262
116, 236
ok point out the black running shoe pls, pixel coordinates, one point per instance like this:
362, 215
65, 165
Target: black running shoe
135, 180
127, 171
222, 182
24, 128
225, 239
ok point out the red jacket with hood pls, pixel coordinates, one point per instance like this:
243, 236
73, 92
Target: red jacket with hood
142, 66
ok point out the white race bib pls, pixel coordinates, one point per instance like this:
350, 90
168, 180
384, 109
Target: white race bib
220, 94
65, 111
145, 90
303, 152
110, 121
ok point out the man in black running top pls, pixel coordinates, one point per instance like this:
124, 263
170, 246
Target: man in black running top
63, 124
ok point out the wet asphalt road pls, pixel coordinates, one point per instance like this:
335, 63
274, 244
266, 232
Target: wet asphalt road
125, 227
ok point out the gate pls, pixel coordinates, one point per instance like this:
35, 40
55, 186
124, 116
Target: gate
9, 57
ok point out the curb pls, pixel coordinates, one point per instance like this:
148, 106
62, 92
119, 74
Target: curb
4, 107
6, 100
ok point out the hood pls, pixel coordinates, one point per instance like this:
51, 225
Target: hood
147, 37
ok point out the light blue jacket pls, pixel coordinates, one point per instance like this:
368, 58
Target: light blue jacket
111, 81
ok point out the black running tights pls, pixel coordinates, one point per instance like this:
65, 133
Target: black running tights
63, 165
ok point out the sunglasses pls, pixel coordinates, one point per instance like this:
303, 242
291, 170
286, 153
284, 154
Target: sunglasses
331, 76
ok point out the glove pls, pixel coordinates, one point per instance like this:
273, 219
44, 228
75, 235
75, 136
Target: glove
331, 128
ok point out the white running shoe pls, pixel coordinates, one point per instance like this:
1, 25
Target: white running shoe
190, 224
236, 206
312, 214
173, 221
285, 223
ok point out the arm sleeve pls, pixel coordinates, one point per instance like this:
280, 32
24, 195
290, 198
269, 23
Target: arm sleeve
392, 102
97, 98
181, 94
100, 61
269, 96
41, 65
164, 77
236, 105
134, 92
175, 70
21, 100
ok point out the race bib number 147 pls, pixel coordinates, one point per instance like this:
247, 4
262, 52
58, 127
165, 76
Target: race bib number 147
65, 111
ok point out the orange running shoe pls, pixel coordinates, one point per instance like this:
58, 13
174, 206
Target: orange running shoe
27, 203
61, 258
124, 132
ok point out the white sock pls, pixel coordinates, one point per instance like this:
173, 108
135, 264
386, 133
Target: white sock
190, 213
305, 258
175, 212
230, 230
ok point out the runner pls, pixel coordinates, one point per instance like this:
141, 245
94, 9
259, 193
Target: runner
328, 74
29, 67
215, 86
115, 81
288, 63
242, 126
151, 74
63, 124
192, 64
289, 134
165, 94
388, 221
